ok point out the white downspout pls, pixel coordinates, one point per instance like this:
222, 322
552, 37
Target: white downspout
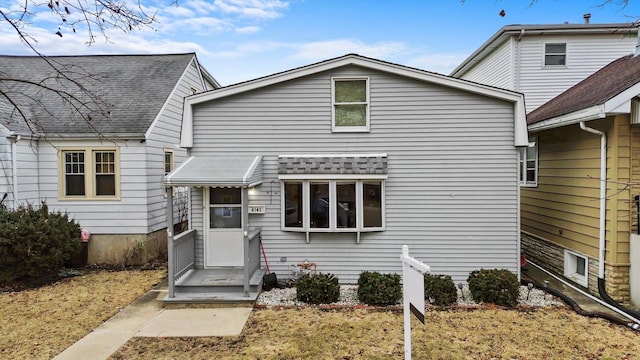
14, 170
603, 194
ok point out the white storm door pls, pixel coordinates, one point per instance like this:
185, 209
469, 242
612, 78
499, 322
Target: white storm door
224, 245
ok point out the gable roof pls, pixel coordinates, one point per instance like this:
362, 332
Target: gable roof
516, 30
121, 93
607, 91
353, 59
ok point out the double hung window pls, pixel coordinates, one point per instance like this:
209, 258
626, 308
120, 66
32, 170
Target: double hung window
555, 54
89, 174
529, 164
344, 205
350, 104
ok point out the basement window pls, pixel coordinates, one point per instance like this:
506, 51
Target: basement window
576, 267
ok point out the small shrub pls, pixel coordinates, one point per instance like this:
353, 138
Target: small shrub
379, 289
35, 244
440, 289
318, 288
497, 286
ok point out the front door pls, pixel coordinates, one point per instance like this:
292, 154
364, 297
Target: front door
224, 244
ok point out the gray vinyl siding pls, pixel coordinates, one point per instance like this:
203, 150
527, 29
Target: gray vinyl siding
28, 188
585, 55
165, 134
451, 192
128, 215
496, 69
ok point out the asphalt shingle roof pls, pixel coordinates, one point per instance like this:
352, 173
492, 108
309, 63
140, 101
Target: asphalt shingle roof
596, 89
124, 92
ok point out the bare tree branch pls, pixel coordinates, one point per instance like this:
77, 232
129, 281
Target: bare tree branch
21, 93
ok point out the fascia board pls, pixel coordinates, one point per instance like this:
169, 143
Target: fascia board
591, 113
621, 103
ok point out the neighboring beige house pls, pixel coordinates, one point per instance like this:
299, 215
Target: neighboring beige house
581, 217
541, 61
107, 172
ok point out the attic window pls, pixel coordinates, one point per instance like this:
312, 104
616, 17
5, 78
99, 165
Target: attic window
350, 104
555, 54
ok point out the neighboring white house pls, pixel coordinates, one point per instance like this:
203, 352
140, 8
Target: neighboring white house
541, 61
342, 162
101, 159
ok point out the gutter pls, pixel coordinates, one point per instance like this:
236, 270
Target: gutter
603, 202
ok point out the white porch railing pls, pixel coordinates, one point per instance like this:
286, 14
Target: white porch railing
184, 253
182, 257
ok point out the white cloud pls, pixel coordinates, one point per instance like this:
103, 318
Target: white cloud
248, 30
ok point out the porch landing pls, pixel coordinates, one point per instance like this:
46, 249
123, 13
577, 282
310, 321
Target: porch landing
215, 288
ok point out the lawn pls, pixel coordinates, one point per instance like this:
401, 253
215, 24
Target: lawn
40, 323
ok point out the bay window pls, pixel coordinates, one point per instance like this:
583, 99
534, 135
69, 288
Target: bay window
341, 205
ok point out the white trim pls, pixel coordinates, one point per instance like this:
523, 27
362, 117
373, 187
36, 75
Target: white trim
621, 103
332, 177
591, 113
333, 155
332, 226
367, 102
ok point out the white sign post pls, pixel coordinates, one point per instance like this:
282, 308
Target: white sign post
412, 294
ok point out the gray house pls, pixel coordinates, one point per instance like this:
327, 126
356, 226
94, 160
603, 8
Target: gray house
339, 164
93, 136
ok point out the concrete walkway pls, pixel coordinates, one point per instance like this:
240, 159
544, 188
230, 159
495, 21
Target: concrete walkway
146, 317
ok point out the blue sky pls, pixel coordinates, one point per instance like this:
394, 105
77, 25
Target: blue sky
238, 40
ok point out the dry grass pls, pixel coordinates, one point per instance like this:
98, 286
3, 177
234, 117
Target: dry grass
40, 323
357, 334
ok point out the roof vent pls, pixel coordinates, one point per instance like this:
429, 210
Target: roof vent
586, 17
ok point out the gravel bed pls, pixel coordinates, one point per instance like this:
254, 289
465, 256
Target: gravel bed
349, 297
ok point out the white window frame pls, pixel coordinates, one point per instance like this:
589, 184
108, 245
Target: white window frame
570, 265
545, 54
367, 104
524, 160
89, 173
359, 180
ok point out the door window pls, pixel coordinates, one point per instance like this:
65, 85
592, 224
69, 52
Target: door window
226, 208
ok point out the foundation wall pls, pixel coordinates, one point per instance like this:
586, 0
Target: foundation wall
133, 249
551, 257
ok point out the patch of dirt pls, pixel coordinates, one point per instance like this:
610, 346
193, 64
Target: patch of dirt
39, 323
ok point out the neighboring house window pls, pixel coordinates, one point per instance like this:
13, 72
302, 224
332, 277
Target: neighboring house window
333, 205
89, 174
529, 164
350, 104
168, 161
576, 267
555, 54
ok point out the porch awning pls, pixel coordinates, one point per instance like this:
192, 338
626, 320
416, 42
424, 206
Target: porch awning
241, 171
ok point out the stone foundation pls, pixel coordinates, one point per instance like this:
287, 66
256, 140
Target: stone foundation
551, 257
118, 249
